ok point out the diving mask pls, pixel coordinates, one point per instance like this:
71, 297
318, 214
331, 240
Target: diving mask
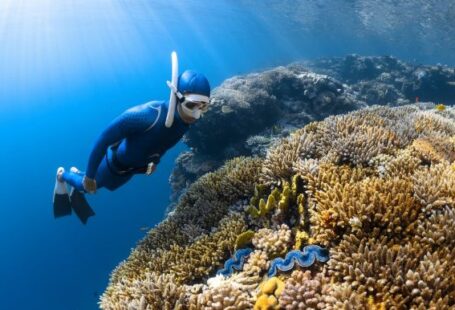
195, 105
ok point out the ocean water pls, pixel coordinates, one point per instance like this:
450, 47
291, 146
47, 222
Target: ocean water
67, 68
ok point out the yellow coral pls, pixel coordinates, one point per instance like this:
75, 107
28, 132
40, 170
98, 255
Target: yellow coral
301, 237
269, 291
440, 107
243, 239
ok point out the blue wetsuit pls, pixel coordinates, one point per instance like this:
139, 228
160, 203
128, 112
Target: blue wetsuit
134, 139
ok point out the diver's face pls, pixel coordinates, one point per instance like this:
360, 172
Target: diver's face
194, 109
186, 115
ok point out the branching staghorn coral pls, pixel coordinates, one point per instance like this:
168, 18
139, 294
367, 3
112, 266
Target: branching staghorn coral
342, 196
186, 264
303, 291
435, 186
401, 276
204, 205
154, 291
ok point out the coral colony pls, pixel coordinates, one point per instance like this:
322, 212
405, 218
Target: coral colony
355, 211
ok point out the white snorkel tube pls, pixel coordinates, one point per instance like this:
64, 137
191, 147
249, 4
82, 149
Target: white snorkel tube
174, 92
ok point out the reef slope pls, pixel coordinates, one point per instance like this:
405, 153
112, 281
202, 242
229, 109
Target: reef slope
375, 187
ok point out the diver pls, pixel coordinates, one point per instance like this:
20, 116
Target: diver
133, 143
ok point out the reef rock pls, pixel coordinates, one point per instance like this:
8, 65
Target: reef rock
375, 188
385, 80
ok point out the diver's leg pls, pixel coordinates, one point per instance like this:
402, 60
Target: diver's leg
105, 177
73, 179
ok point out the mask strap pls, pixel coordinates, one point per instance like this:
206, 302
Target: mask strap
175, 91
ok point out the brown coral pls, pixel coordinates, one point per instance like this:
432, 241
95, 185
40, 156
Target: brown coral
343, 196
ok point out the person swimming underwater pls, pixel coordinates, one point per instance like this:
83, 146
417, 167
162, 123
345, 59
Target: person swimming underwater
133, 143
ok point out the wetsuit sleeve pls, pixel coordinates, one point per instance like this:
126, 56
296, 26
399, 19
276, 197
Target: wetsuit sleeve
128, 123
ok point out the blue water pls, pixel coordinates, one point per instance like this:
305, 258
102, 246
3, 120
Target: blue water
68, 67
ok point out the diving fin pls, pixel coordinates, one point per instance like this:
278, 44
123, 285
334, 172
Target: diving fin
81, 206
61, 200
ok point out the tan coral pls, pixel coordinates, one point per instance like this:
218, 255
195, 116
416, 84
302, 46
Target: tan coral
434, 149
257, 262
340, 196
273, 242
152, 292
435, 186
225, 297
205, 203
303, 291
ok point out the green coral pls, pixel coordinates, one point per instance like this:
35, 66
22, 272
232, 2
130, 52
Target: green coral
276, 200
244, 239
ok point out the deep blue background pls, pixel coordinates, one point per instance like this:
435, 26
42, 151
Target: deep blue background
66, 69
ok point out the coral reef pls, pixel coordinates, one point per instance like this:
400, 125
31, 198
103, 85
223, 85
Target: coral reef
374, 187
257, 110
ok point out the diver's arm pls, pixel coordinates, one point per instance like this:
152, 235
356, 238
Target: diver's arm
128, 123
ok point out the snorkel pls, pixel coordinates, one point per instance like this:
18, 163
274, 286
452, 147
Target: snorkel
174, 92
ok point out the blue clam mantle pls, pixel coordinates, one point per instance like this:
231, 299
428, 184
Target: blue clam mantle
235, 263
304, 258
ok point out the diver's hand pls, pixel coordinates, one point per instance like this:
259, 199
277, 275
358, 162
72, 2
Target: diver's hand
150, 168
89, 185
